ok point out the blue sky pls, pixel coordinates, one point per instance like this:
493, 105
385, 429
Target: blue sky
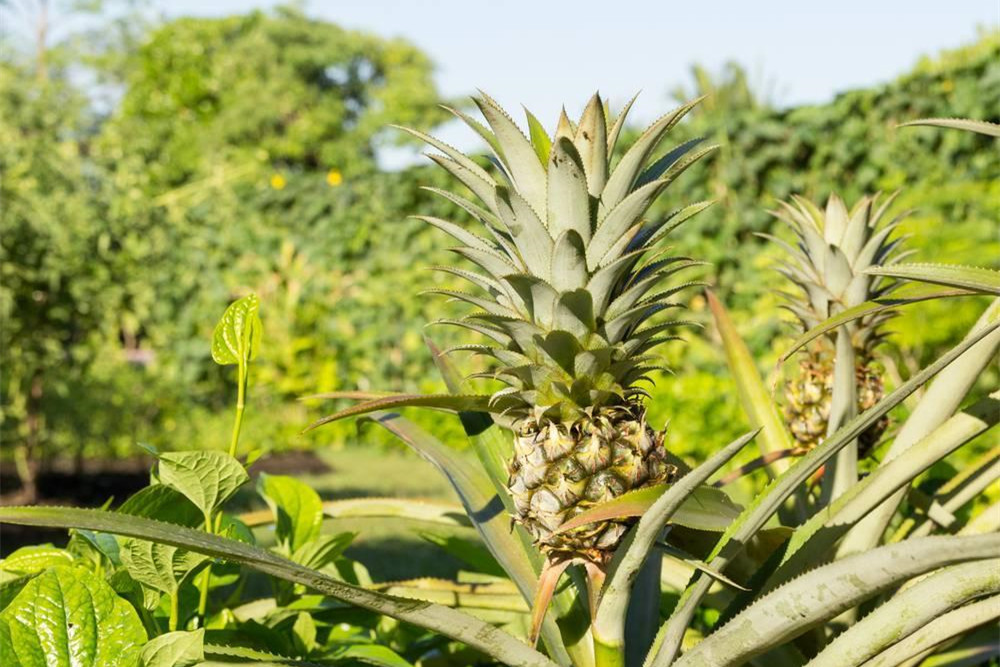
546, 53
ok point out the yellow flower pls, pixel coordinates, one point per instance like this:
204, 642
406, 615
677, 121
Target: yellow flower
334, 178
278, 182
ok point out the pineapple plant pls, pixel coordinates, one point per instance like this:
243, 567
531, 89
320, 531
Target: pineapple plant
933, 597
827, 266
568, 290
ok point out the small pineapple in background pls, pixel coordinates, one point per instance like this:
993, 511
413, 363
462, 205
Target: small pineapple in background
834, 248
570, 292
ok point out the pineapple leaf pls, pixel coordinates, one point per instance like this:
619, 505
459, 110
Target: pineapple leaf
816, 539
828, 591
617, 126
446, 402
937, 404
651, 233
568, 202
628, 560
703, 508
496, 264
540, 140
904, 296
978, 126
458, 232
757, 403
940, 632
482, 189
453, 153
910, 611
569, 263
591, 142
773, 497
986, 281
656, 170
532, 238
612, 228
477, 127
624, 175
518, 155
486, 510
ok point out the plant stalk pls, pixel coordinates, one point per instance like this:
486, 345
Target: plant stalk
175, 611
842, 472
608, 655
240, 405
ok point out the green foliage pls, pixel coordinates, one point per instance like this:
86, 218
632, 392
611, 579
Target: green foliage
69, 616
242, 156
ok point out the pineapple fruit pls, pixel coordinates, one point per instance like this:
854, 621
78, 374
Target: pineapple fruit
827, 266
569, 291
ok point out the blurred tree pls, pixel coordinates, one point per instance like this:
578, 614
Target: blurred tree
57, 292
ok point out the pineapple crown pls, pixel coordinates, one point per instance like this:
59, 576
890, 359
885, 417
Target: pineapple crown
568, 268
828, 263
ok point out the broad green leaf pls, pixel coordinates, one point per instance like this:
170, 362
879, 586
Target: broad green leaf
447, 402
322, 550
32, 560
705, 508
298, 510
174, 649
828, 591
304, 632
160, 566
237, 335
974, 278
206, 478
449, 622
978, 126
760, 409
69, 617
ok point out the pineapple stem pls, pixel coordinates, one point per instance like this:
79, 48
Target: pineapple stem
842, 471
608, 654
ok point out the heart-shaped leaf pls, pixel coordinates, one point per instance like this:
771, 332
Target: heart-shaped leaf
207, 478
298, 510
160, 566
237, 335
70, 616
174, 649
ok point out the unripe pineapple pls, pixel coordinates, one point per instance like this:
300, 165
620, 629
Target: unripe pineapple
808, 397
570, 292
827, 265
